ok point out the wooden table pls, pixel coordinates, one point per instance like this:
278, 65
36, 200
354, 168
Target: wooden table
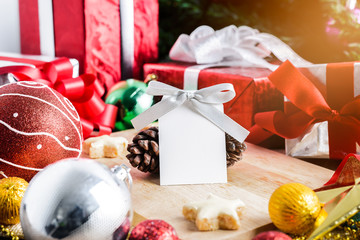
252, 180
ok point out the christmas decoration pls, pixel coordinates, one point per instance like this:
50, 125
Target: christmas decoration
38, 126
84, 91
12, 232
342, 26
77, 199
294, 208
12, 190
272, 235
144, 150
153, 230
234, 150
130, 97
341, 201
345, 174
215, 213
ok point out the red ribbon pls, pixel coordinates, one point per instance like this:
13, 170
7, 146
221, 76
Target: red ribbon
84, 92
309, 106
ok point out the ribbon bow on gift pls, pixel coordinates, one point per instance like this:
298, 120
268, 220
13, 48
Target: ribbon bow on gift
243, 45
201, 102
84, 92
344, 124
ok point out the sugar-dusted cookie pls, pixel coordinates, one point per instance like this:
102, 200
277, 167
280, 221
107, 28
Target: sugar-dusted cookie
105, 146
214, 213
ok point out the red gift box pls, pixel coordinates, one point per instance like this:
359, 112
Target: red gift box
254, 92
111, 39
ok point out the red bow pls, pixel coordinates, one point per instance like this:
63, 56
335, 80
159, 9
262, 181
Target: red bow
84, 92
308, 106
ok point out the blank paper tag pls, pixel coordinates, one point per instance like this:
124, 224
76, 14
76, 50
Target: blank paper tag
192, 149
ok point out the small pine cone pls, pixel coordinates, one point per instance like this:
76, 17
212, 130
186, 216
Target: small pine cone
234, 150
144, 150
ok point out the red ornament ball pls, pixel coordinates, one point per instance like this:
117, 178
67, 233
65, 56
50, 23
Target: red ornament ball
272, 235
38, 126
153, 230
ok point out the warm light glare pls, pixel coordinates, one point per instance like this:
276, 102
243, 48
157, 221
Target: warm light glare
351, 4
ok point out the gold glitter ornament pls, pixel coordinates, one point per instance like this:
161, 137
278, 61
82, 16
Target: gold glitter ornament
12, 190
294, 208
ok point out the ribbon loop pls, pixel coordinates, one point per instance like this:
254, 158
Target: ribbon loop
201, 101
243, 44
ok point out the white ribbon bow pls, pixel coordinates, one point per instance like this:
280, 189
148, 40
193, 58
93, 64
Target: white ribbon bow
201, 102
244, 45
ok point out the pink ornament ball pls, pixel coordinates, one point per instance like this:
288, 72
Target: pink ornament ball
38, 126
153, 230
272, 235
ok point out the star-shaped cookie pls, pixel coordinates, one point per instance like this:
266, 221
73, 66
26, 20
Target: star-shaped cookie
105, 146
214, 213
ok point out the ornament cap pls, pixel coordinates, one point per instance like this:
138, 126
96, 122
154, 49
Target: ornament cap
122, 173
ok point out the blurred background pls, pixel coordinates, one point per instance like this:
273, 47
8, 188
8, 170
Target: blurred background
318, 30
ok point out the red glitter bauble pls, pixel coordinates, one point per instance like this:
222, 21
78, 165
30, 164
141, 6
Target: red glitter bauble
153, 230
272, 235
38, 126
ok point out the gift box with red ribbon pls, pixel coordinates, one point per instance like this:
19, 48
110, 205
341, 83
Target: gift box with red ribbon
254, 92
85, 91
322, 110
111, 39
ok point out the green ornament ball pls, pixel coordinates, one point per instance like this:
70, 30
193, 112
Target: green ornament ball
131, 99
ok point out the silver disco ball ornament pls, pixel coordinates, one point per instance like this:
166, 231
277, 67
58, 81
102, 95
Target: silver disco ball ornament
77, 200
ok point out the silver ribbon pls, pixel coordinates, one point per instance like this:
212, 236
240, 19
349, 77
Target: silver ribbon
201, 102
243, 44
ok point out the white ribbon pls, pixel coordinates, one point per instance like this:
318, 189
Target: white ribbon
201, 102
127, 29
242, 44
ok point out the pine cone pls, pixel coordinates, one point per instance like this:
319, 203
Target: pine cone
144, 151
234, 150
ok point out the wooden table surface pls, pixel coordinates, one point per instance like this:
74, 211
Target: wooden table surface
252, 180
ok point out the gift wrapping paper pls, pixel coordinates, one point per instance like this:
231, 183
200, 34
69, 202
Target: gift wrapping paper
112, 39
254, 92
339, 83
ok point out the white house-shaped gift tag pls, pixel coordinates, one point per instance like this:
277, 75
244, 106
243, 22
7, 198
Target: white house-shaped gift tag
192, 149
